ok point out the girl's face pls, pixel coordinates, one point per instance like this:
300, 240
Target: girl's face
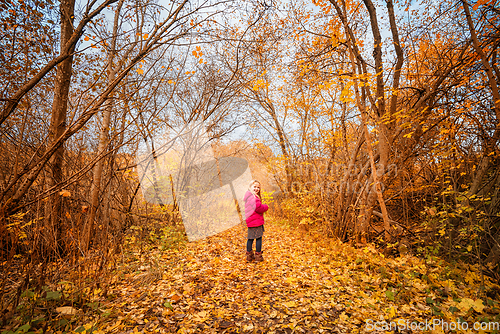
255, 188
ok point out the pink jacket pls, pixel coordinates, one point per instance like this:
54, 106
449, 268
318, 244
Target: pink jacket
254, 210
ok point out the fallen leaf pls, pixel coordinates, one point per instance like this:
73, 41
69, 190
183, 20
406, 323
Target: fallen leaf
175, 298
66, 311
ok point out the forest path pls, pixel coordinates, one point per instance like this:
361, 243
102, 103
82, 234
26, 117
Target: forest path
306, 284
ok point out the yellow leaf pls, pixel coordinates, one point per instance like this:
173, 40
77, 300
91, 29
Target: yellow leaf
86, 38
188, 289
146, 36
65, 193
116, 325
343, 316
478, 306
140, 71
67, 311
255, 313
248, 327
171, 81
200, 316
290, 304
467, 303
391, 312
470, 277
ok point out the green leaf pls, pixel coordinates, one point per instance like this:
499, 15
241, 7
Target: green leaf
62, 322
36, 321
168, 305
24, 328
80, 329
429, 300
390, 295
437, 311
53, 295
28, 293
94, 305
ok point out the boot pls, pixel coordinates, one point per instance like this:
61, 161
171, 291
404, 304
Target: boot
258, 257
250, 256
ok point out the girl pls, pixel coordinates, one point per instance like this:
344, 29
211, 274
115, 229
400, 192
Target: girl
254, 210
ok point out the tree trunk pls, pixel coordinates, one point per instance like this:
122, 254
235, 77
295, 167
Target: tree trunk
66, 52
377, 103
342, 204
54, 208
378, 189
491, 142
284, 151
383, 117
103, 137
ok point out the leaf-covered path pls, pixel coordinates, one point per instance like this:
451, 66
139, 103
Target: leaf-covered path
307, 284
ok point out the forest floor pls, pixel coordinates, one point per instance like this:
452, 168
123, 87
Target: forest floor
307, 284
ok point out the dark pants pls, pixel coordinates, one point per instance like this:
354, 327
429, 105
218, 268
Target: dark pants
258, 245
